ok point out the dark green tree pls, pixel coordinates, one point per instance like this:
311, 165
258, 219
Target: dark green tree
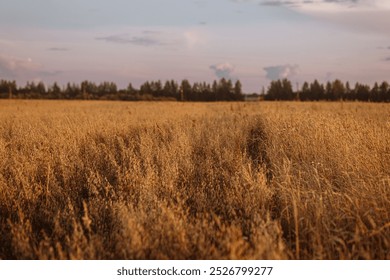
384, 91
185, 90
362, 92
338, 90
54, 92
306, 93
317, 91
238, 91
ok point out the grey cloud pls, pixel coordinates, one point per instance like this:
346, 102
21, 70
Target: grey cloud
387, 59
58, 49
281, 71
383, 48
341, 1
273, 2
151, 32
145, 38
298, 3
134, 40
328, 76
280, 3
352, 3
50, 73
223, 70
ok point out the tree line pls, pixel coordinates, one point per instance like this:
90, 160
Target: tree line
331, 91
222, 90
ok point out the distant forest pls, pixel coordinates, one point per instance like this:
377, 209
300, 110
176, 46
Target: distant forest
331, 91
222, 90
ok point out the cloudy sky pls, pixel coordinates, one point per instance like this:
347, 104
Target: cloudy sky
255, 41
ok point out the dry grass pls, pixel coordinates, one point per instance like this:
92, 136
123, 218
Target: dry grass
111, 180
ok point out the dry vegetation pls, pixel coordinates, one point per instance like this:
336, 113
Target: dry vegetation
111, 180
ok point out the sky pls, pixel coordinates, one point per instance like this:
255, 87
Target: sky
255, 41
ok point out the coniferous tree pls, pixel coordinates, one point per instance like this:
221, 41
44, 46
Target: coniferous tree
186, 90
338, 90
317, 91
375, 93
238, 91
54, 92
145, 88
306, 93
214, 90
328, 93
287, 89
362, 92
384, 92
348, 91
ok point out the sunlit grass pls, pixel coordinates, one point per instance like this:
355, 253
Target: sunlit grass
116, 180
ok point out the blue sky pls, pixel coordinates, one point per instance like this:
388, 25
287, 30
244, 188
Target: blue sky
255, 41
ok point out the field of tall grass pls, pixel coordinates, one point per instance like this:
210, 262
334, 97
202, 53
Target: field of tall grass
116, 180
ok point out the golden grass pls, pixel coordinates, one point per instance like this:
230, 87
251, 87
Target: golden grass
114, 180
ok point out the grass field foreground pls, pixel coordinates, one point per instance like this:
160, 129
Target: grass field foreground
117, 180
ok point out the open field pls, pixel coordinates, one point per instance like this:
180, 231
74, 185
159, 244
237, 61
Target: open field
116, 180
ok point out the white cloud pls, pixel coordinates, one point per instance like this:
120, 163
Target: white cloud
23, 68
223, 70
330, 6
368, 16
160, 37
281, 71
194, 38
14, 67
